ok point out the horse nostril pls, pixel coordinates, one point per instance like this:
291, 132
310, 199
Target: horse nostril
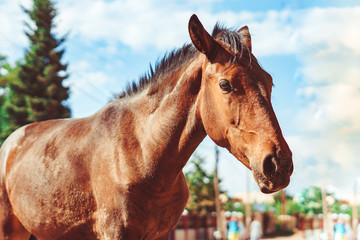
269, 165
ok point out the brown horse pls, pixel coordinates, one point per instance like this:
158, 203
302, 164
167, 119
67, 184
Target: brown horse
118, 173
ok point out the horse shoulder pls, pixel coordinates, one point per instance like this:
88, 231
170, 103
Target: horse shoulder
117, 132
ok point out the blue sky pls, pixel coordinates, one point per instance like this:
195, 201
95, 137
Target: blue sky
311, 48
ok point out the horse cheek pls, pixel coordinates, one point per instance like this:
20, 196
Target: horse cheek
211, 118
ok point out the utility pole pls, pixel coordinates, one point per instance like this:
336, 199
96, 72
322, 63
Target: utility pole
247, 203
219, 216
325, 214
283, 202
283, 207
355, 207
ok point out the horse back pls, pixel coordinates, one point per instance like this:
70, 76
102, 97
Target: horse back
34, 141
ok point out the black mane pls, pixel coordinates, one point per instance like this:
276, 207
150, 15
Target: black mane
168, 63
178, 57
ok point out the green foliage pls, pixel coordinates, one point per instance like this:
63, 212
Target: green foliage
291, 207
3, 65
35, 85
339, 207
309, 201
201, 186
2, 85
276, 207
10, 115
5, 76
234, 206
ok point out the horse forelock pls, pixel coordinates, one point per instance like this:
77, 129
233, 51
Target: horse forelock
233, 41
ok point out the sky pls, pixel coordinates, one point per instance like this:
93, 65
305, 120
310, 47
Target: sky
311, 48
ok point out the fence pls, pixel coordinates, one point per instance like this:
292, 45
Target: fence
195, 227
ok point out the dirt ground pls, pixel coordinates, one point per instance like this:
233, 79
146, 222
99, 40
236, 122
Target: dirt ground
295, 236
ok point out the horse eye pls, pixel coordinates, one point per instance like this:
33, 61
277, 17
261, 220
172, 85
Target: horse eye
225, 86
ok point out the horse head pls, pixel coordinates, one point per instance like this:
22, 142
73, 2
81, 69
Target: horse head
235, 105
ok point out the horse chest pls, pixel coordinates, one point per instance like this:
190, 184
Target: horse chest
143, 212
159, 213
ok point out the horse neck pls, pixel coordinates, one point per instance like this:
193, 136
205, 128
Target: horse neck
173, 128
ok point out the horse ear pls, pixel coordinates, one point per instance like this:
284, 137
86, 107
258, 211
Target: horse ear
201, 39
246, 37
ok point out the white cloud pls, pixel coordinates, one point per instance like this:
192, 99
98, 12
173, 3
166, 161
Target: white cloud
137, 24
12, 37
325, 158
334, 27
163, 24
329, 120
84, 80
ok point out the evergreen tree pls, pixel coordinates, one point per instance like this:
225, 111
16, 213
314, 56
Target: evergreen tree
8, 122
36, 90
2, 78
2, 85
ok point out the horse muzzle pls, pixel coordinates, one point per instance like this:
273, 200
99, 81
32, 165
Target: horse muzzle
273, 174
